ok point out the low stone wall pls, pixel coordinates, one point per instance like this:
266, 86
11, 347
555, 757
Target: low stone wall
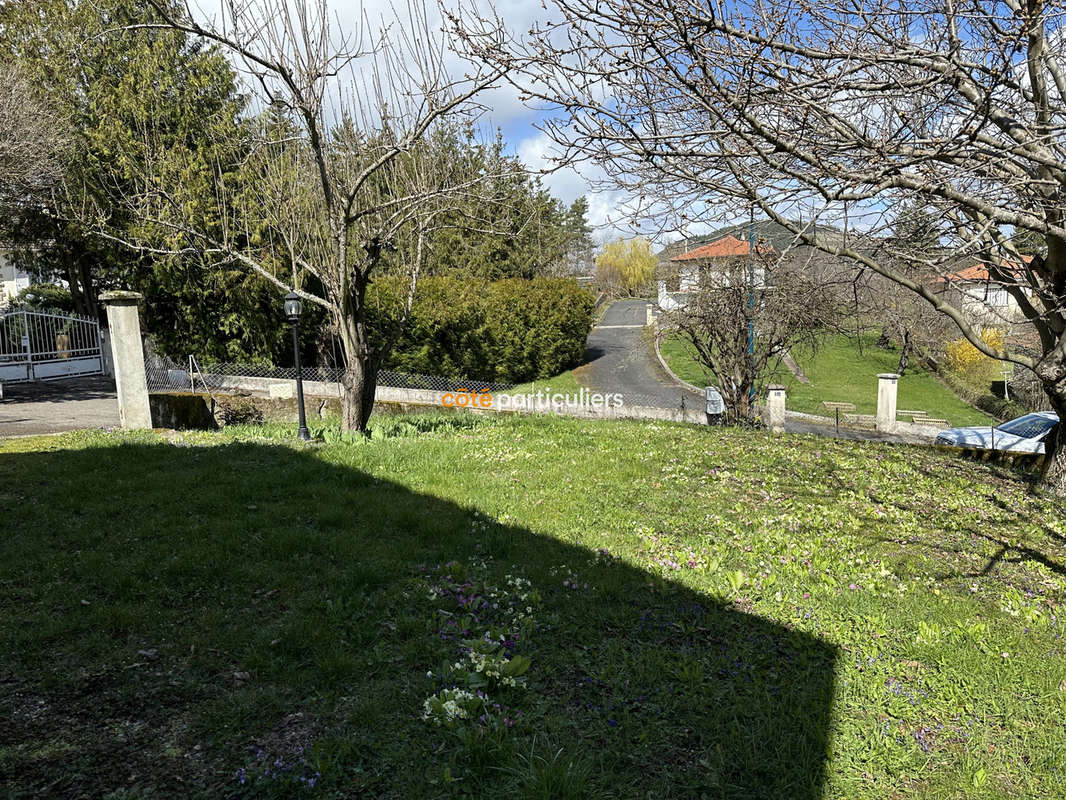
200, 411
275, 398
273, 387
280, 389
182, 411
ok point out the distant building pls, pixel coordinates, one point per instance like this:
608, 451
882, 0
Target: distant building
704, 264
12, 280
681, 274
981, 297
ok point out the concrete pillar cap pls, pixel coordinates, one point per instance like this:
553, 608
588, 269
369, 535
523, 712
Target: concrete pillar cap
888, 375
776, 387
121, 298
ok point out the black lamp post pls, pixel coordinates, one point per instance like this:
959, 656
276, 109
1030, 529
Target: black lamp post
293, 307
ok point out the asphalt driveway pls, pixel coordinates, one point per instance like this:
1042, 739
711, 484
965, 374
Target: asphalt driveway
56, 406
619, 358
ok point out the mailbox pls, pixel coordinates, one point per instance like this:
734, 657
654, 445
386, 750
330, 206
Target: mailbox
715, 406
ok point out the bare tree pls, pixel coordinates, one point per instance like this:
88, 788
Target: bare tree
346, 173
842, 110
33, 142
903, 318
743, 319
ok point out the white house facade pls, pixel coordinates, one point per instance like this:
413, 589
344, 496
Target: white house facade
12, 280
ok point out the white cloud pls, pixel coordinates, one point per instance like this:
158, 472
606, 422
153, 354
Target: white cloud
608, 211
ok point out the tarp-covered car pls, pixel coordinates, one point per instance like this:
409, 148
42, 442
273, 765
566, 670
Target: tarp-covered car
1022, 435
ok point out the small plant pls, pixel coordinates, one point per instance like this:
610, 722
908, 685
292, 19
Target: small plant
737, 580
556, 777
486, 665
487, 622
238, 411
278, 772
448, 708
928, 632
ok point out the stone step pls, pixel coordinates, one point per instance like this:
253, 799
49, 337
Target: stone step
861, 420
943, 423
833, 405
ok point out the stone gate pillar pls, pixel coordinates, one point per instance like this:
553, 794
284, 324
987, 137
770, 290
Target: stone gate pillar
775, 408
127, 356
886, 401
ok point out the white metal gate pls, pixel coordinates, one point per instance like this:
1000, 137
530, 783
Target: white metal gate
38, 346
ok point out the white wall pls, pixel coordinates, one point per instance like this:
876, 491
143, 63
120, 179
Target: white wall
12, 280
989, 304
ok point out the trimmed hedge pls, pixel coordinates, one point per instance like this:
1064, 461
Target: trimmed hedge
507, 331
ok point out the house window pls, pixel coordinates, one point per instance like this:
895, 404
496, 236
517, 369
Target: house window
997, 297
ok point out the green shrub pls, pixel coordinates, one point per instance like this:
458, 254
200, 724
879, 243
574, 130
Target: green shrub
238, 411
978, 396
537, 328
44, 297
441, 335
998, 407
511, 330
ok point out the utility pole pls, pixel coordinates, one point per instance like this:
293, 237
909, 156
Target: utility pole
751, 301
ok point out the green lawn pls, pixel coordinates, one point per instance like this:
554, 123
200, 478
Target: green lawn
564, 382
839, 373
708, 613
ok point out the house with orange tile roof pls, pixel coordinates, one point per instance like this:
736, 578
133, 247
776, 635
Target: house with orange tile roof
707, 264
981, 295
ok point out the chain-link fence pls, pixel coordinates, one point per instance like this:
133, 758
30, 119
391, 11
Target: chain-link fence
165, 374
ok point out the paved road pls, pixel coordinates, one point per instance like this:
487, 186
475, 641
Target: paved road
619, 358
56, 406
802, 425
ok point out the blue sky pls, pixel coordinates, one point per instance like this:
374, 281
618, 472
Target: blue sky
505, 111
518, 123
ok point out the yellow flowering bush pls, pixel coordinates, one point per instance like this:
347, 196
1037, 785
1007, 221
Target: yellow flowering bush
968, 362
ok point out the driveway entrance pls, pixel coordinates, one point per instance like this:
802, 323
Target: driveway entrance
58, 405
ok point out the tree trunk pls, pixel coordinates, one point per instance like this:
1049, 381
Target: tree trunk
361, 363
1052, 373
904, 355
357, 401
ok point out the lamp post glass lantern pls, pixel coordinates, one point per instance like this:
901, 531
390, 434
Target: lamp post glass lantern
293, 308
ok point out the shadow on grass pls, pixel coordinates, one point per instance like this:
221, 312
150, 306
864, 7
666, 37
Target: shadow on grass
173, 615
1040, 544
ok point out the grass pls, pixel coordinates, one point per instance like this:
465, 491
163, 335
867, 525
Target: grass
839, 373
564, 382
709, 614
